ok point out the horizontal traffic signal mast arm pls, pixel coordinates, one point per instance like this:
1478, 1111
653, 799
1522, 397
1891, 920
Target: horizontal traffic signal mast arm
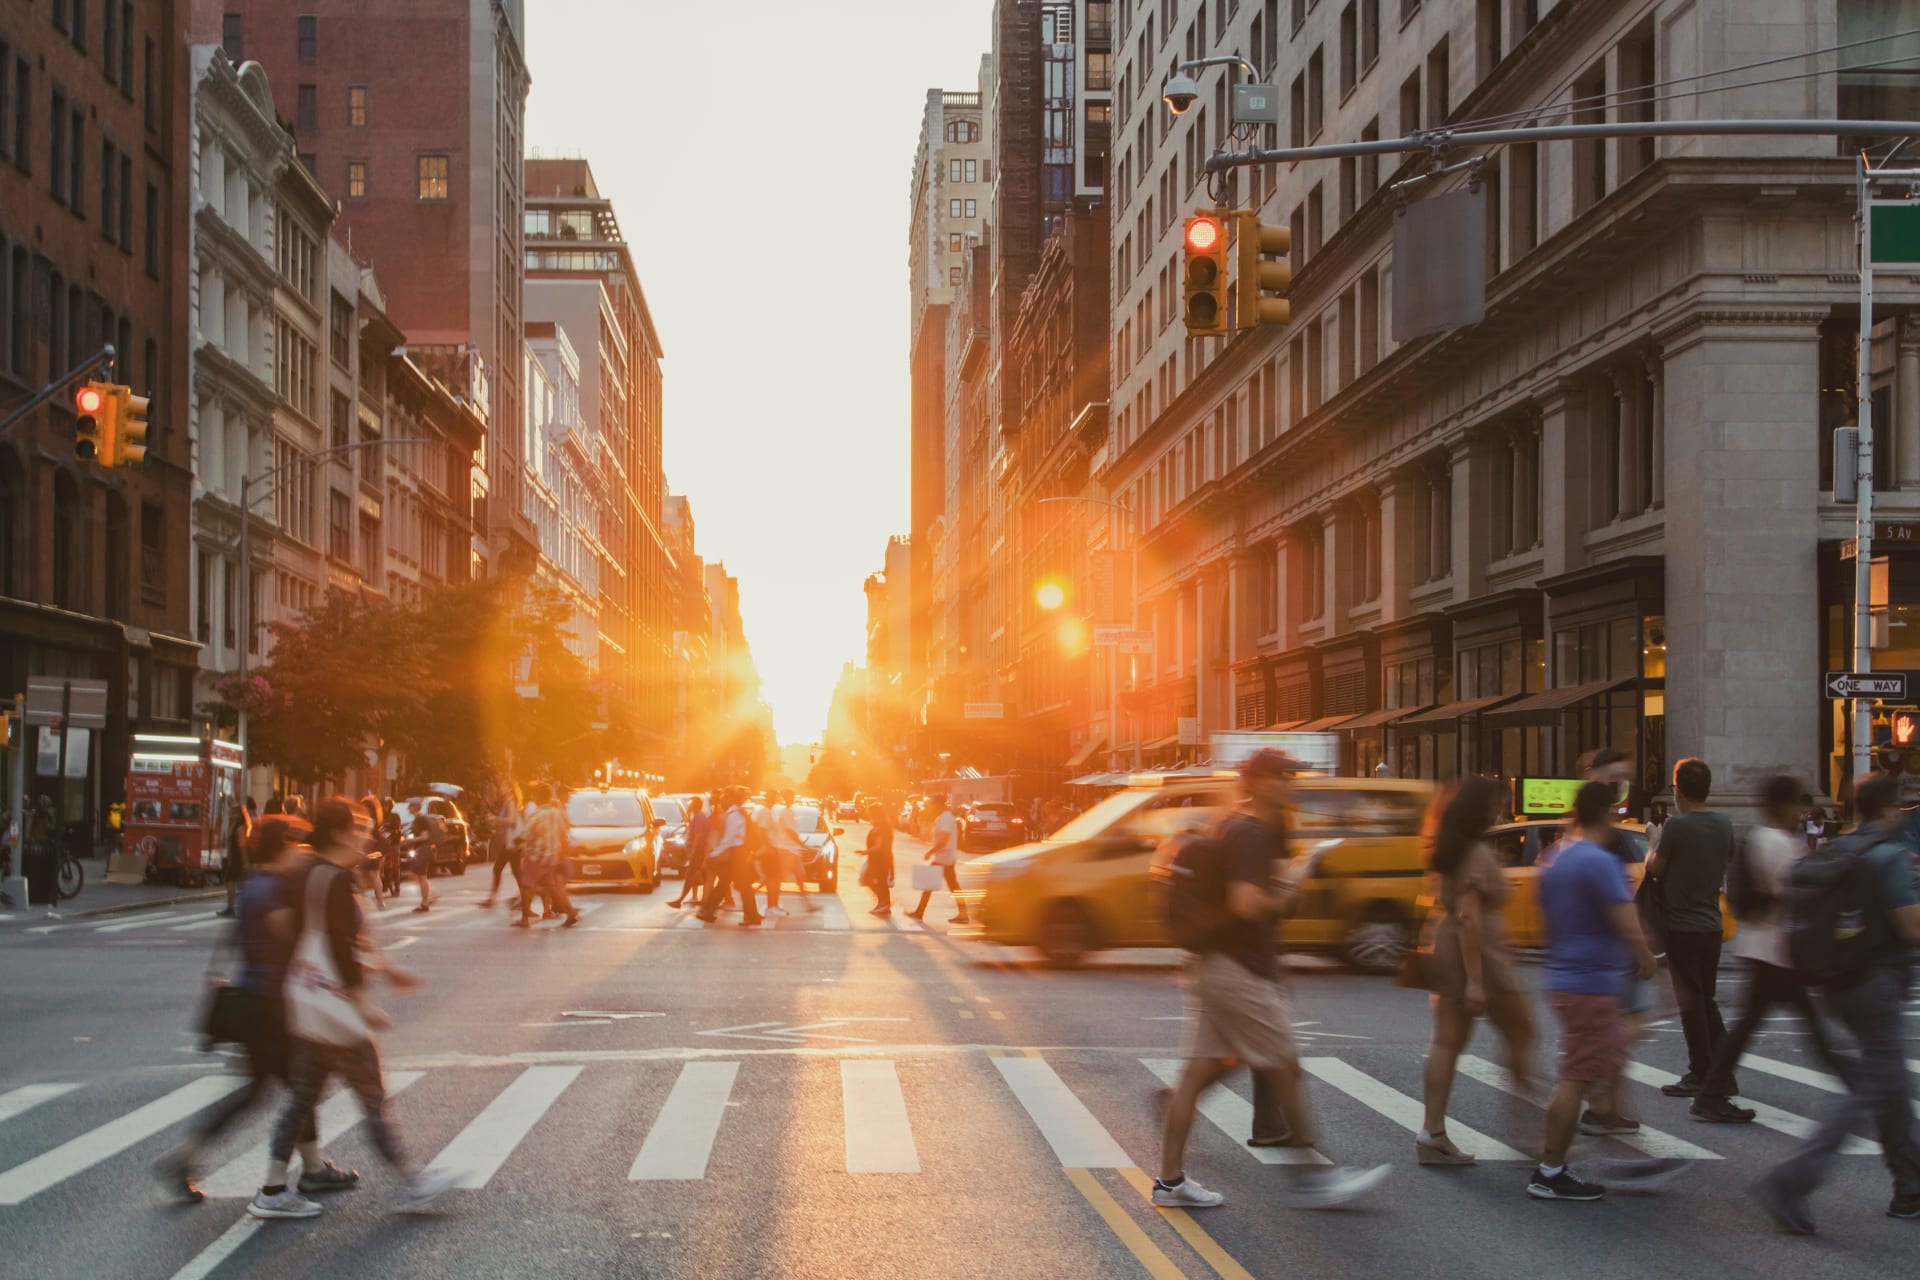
98, 365
1441, 139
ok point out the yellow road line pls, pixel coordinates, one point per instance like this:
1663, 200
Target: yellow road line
1192, 1232
1157, 1263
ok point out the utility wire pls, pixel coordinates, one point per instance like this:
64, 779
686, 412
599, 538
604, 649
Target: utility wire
1575, 103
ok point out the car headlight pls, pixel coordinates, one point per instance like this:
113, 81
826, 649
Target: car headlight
637, 845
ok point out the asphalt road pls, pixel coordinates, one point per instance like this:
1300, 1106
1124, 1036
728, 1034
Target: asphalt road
831, 1095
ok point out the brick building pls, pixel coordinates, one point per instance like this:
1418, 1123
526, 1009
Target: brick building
412, 116
93, 209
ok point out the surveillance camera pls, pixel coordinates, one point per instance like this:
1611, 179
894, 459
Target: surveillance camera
1180, 93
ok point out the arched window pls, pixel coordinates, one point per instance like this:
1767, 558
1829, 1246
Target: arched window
69, 543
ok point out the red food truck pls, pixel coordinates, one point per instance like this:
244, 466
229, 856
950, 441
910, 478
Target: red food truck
180, 794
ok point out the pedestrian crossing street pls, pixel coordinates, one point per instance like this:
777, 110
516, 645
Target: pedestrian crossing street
459, 911
891, 1114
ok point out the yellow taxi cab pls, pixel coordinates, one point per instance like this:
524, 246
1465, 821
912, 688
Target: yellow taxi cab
1519, 846
1089, 885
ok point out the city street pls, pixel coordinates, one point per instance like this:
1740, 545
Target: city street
830, 1095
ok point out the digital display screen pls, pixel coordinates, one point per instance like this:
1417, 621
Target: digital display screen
1551, 797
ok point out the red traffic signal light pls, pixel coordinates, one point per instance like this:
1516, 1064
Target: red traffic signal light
93, 428
1204, 276
1204, 234
88, 399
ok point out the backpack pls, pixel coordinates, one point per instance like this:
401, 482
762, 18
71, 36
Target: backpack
1829, 896
1744, 893
755, 839
1193, 888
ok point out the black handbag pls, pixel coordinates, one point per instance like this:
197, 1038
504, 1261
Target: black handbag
1651, 900
226, 1012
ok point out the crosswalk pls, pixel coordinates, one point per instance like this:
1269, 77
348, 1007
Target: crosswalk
1071, 1111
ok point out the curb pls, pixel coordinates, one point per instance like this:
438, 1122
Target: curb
123, 908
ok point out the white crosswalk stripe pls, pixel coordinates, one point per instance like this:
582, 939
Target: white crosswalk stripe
239, 1177
1402, 1110
1806, 1075
1077, 1139
477, 1151
28, 1096
146, 921
681, 1139
1766, 1117
80, 1154
1649, 1141
879, 1137
1232, 1114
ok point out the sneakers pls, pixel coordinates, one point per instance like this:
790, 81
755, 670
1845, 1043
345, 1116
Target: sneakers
1789, 1211
1325, 1188
1687, 1086
423, 1190
328, 1177
282, 1204
1904, 1207
178, 1177
1718, 1111
1644, 1176
1185, 1194
1596, 1125
1564, 1185
774, 911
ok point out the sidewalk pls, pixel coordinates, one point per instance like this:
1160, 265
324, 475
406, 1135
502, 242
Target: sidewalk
98, 898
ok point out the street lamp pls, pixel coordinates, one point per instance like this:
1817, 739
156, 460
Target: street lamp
1113, 659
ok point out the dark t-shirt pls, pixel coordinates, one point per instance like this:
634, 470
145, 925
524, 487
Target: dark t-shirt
342, 915
1694, 850
1250, 846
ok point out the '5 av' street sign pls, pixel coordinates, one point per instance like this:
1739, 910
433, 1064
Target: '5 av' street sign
1888, 685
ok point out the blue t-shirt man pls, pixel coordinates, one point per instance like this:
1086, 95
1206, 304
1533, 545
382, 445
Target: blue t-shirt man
1579, 887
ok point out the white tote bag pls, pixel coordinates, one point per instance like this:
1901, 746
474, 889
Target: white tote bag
318, 1007
927, 876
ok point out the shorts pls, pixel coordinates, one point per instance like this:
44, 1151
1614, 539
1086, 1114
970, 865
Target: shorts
1237, 1015
1593, 1040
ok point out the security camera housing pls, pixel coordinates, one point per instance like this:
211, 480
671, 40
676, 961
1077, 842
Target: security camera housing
1182, 92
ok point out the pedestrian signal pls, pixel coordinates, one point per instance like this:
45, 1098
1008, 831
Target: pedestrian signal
93, 427
1204, 272
1261, 273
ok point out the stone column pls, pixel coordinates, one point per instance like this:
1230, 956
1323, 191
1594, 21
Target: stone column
1657, 428
1626, 398
1203, 604
1336, 594
1286, 588
1565, 481
1906, 403
1439, 531
1397, 541
1472, 460
1740, 549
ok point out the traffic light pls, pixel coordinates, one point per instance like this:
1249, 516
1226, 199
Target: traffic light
129, 429
96, 405
1204, 272
1261, 272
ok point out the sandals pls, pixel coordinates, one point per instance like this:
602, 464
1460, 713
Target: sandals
1439, 1149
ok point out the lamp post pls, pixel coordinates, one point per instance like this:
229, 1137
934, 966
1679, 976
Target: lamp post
1113, 659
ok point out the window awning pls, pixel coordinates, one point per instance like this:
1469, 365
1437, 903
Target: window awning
1322, 724
1090, 780
1086, 753
1287, 727
1374, 719
1552, 702
1160, 743
1448, 712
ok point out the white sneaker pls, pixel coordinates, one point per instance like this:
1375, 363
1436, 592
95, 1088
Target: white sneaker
1186, 1194
774, 911
1325, 1188
427, 1186
286, 1204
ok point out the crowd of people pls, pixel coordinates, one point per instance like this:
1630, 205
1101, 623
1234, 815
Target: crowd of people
1827, 930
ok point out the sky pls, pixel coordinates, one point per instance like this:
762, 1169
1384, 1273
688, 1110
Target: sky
760, 168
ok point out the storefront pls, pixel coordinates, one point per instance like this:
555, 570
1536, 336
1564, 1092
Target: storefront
1416, 674
1897, 648
1608, 683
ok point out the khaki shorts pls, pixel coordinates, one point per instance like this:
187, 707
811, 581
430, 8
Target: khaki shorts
1237, 1015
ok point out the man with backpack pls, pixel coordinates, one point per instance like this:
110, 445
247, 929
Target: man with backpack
1688, 869
732, 862
1227, 891
1757, 878
1853, 921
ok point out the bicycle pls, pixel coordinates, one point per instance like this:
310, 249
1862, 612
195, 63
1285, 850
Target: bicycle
72, 877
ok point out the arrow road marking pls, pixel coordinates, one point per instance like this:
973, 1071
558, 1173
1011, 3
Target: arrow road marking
795, 1035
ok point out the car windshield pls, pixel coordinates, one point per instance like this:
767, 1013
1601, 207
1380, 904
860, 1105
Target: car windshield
605, 809
1102, 815
668, 810
806, 819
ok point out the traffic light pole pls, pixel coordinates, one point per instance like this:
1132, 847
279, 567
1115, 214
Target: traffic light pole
100, 362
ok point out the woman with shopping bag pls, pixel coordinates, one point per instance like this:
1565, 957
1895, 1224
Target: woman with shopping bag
330, 1017
941, 856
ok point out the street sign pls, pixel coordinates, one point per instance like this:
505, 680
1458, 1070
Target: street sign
1125, 639
1889, 686
1896, 234
85, 701
983, 710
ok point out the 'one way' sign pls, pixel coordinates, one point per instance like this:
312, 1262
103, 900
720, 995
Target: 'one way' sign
1888, 685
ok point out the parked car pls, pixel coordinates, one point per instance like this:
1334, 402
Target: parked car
1090, 884
849, 811
821, 862
614, 838
987, 825
673, 812
453, 838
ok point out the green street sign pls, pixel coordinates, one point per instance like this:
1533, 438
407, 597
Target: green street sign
1896, 234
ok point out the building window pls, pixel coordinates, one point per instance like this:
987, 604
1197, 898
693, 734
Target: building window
57, 147
954, 241
339, 419
126, 203
153, 564
309, 37
953, 170
153, 230
307, 107
953, 208
108, 168
962, 131
109, 43
230, 37
340, 333
953, 275
77, 160
1316, 91
356, 179
972, 209
340, 526
433, 177
203, 597
972, 171
357, 106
